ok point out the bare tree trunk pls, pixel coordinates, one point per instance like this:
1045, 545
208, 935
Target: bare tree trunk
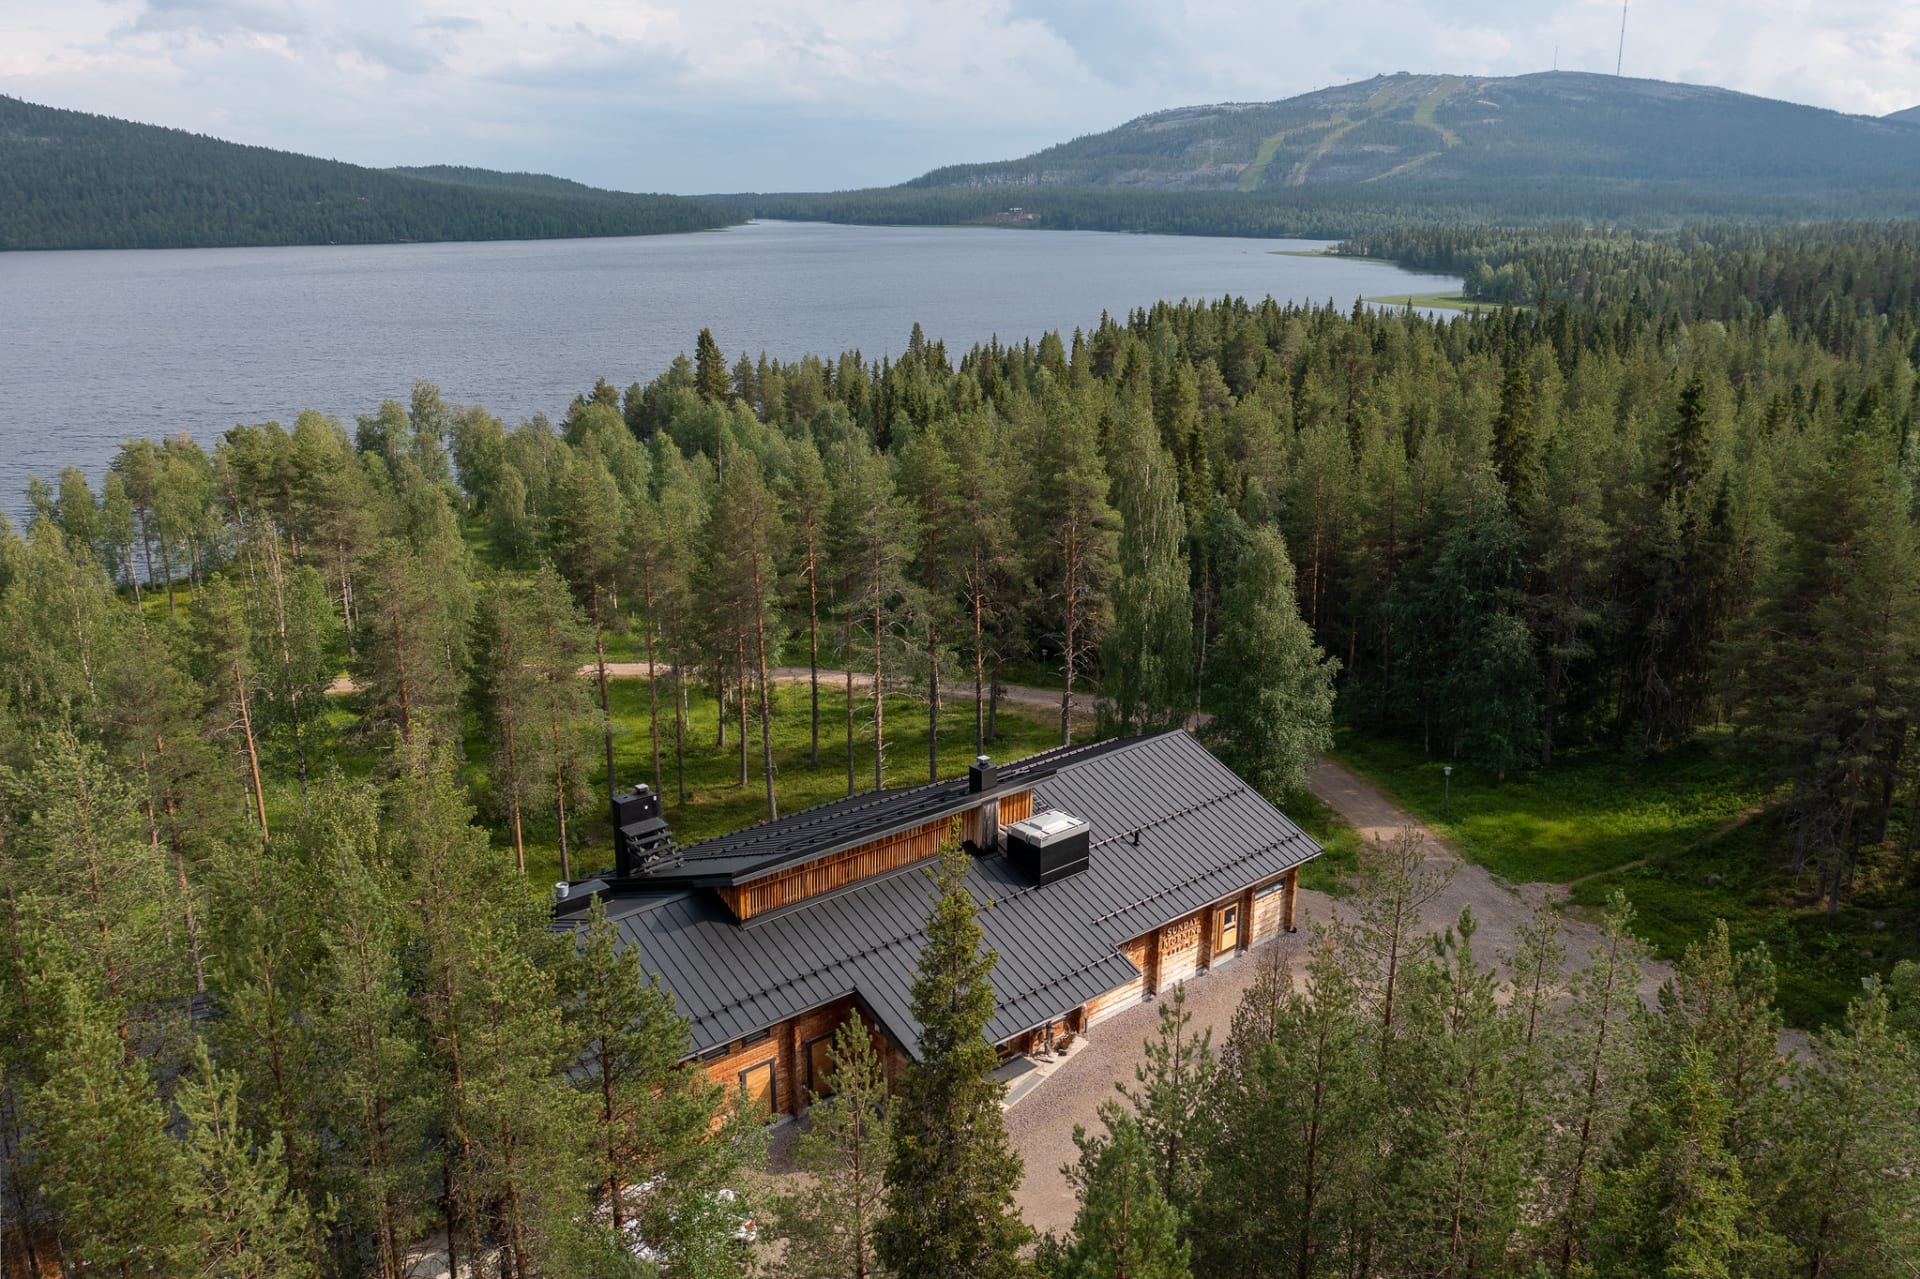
813, 645
606, 702
760, 635
253, 753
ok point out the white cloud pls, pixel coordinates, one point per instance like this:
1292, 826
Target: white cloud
722, 94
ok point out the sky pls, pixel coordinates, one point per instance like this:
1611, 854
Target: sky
695, 96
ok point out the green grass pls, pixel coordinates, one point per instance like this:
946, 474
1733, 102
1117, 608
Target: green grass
1594, 810
1339, 842
1435, 301
718, 803
1742, 877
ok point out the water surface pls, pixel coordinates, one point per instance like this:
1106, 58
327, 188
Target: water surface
98, 347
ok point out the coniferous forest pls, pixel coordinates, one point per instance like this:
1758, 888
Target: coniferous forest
296, 731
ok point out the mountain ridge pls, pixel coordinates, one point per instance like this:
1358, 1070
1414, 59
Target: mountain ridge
1391, 128
74, 180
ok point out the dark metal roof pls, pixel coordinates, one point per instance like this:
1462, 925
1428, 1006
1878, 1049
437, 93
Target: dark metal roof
1203, 835
842, 823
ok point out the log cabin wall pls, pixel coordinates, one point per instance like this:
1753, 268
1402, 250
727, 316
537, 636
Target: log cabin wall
1016, 807
787, 1047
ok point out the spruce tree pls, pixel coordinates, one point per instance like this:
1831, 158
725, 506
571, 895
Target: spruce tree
950, 1173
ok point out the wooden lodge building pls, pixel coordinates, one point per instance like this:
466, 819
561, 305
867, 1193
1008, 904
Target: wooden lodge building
1103, 874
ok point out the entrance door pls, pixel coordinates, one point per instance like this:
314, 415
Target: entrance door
758, 1082
820, 1066
1230, 927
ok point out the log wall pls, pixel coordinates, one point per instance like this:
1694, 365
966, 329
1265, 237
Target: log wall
786, 1047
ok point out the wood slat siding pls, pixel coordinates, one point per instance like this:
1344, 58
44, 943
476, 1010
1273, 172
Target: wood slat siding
783, 888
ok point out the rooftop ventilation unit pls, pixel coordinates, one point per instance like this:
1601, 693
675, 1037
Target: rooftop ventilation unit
1050, 846
641, 836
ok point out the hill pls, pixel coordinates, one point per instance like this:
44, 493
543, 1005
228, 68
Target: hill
69, 180
1910, 116
1528, 148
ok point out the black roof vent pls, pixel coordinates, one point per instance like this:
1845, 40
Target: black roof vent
982, 775
1050, 846
641, 836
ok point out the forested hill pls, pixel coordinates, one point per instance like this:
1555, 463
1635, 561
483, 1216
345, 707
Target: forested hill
69, 180
1432, 148
1910, 116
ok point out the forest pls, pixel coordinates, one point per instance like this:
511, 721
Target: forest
279, 994
69, 180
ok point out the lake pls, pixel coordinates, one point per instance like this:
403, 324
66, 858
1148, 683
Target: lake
98, 347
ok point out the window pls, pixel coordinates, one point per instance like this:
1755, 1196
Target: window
761, 1096
820, 1066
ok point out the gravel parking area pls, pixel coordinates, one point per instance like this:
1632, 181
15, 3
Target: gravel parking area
1041, 1123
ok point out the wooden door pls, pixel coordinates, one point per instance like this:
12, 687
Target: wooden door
758, 1083
1230, 927
820, 1066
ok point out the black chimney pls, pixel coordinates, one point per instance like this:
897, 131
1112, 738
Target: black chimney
982, 776
640, 835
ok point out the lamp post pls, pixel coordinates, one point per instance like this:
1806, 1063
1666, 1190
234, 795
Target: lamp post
1446, 795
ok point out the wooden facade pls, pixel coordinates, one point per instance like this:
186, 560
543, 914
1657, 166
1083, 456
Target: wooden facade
783, 888
758, 896
785, 1066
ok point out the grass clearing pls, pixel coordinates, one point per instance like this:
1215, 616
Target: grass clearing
1741, 877
1332, 871
1594, 810
1434, 302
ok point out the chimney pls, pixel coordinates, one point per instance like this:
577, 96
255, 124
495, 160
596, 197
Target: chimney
640, 835
982, 775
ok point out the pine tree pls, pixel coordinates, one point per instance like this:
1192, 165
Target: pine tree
536, 708
589, 519
223, 648
1597, 1047
1302, 1083
241, 1217
1074, 532
950, 1175
405, 658
375, 1105
105, 1163
806, 500
652, 1121
1853, 1199
1170, 1100
828, 1224
1125, 1228
1275, 698
1452, 1203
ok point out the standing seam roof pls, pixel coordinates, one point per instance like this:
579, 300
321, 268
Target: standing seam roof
1203, 835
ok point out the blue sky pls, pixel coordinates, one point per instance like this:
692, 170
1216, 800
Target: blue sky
724, 95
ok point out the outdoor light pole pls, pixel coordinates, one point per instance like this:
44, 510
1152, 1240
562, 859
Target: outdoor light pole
1446, 795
